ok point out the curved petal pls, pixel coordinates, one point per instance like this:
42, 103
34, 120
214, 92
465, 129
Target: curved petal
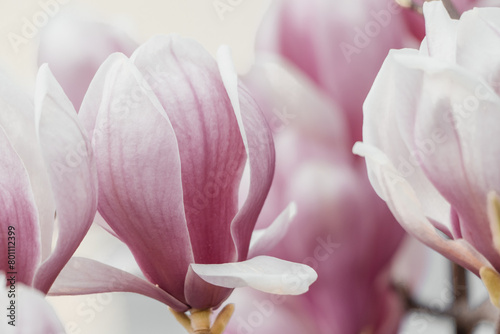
75, 45
93, 97
259, 146
83, 276
289, 99
140, 190
185, 79
203, 295
462, 166
262, 273
441, 32
265, 239
34, 315
17, 117
70, 164
388, 125
19, 230
404, 204
478, 44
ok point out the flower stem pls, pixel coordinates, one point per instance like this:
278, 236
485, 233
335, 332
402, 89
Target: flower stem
198, 321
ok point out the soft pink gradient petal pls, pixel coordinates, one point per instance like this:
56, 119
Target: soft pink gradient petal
335, 51
93, 99
21, 246
479, 54
263, 273
187, 82
259, 146
265, 239
33, 314
83, 276
289, 99
140, 190
71, 168
74, 46
457, 103
202, 295
405, 205
388, 115
17, 118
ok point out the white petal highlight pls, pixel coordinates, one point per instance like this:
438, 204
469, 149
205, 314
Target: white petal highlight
265, 239
264, 273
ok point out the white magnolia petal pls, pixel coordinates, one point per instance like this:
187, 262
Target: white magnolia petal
265, 239
407, 209
264, 273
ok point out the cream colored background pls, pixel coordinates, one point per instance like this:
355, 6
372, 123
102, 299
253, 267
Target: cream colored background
191, 18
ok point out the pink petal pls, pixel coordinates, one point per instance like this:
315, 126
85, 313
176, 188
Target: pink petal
74, 46
19, 231
259, 146
404, 204
34, 315
462, 166
69, 163
83, 276
202, 295
265, 239
18, 121
262, 273
185, 78
140, 190
388, 120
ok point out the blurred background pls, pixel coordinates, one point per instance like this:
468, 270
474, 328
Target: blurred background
22, 23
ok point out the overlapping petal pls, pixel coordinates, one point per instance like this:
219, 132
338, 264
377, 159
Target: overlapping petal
188, 85
70, 165
140, 189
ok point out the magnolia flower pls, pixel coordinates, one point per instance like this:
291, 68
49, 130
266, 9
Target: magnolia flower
48, 181
340, 221
429, 138
172, 133
27, 311
342, 51
74, 47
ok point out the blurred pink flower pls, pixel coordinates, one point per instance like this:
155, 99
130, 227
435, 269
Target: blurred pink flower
32, 314
342, 229
429, 136
47, 176
172, 132
340, 46
416, 22
74, 46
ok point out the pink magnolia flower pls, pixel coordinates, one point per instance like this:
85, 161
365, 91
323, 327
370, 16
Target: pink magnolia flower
339, 46
429, 136
415, 20
29, 314
172, 132
340, 222
47, 177
74, 46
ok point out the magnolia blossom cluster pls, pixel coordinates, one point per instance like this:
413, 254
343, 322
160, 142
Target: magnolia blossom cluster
216, 181
429, 138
